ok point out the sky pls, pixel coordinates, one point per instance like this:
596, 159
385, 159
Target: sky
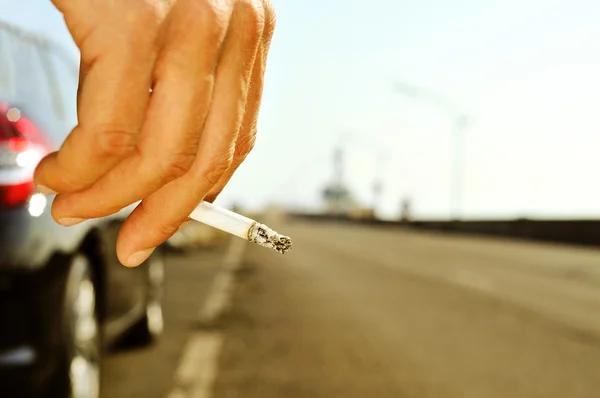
527, 74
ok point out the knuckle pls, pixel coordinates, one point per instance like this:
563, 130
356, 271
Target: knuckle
270, 19
140, 25
243, 148
168, 228
212, 17
164, 228
176, 165
115, 142
239, 157
216, 168
145, 15
212, 195
252, 15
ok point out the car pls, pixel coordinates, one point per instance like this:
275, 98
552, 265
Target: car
64, 296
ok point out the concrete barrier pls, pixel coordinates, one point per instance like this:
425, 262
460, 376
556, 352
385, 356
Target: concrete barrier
580, 232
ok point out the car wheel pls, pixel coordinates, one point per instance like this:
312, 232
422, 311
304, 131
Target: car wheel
79, 373
150, 326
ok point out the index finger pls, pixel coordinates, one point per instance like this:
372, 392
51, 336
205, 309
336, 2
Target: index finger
112, 102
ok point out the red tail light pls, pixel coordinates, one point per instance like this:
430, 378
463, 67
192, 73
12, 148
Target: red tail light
21, 148
14, 195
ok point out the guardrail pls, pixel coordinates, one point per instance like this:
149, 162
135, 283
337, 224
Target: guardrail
579, 232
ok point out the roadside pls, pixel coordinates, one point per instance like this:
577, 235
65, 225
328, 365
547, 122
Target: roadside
148, 372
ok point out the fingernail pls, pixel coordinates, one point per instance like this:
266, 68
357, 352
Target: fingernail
69, 221
137, 258
45, 190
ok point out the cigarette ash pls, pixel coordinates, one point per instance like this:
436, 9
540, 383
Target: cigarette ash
265, 236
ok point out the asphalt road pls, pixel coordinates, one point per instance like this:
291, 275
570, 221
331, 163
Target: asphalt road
368, 312
148, 372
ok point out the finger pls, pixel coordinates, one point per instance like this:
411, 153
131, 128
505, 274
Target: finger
247, 134
248, 130
160, 215
180, 102
113, 95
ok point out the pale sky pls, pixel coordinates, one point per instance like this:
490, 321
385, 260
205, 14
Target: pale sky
528, 73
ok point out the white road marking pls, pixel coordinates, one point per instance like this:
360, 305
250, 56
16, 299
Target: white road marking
218, 298
235, 253
198, 366
197, 370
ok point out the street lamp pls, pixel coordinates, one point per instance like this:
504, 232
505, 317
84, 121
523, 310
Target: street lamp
460, 122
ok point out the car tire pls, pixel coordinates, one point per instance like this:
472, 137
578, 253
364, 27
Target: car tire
150, 326
78, 374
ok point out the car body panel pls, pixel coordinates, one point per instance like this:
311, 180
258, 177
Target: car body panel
42, 84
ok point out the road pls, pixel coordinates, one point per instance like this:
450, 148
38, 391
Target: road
148, 372
356, 311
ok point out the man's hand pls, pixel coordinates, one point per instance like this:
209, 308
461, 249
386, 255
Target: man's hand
204, 61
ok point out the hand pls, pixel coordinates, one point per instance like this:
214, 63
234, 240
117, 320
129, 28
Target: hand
175, 146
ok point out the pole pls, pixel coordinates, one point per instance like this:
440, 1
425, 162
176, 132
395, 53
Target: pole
338, 165
377, 190
460, 123
458, 166
378, 180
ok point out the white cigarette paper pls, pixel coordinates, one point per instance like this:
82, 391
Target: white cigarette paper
240, 226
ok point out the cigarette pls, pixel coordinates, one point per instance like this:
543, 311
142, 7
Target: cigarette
240, 226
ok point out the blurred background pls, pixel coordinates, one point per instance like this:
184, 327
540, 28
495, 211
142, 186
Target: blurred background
434, 165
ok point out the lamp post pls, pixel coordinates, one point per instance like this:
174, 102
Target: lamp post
460, 122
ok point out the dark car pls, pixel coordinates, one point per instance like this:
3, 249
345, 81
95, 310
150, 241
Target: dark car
64, 297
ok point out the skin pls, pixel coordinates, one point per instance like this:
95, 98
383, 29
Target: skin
170, 148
